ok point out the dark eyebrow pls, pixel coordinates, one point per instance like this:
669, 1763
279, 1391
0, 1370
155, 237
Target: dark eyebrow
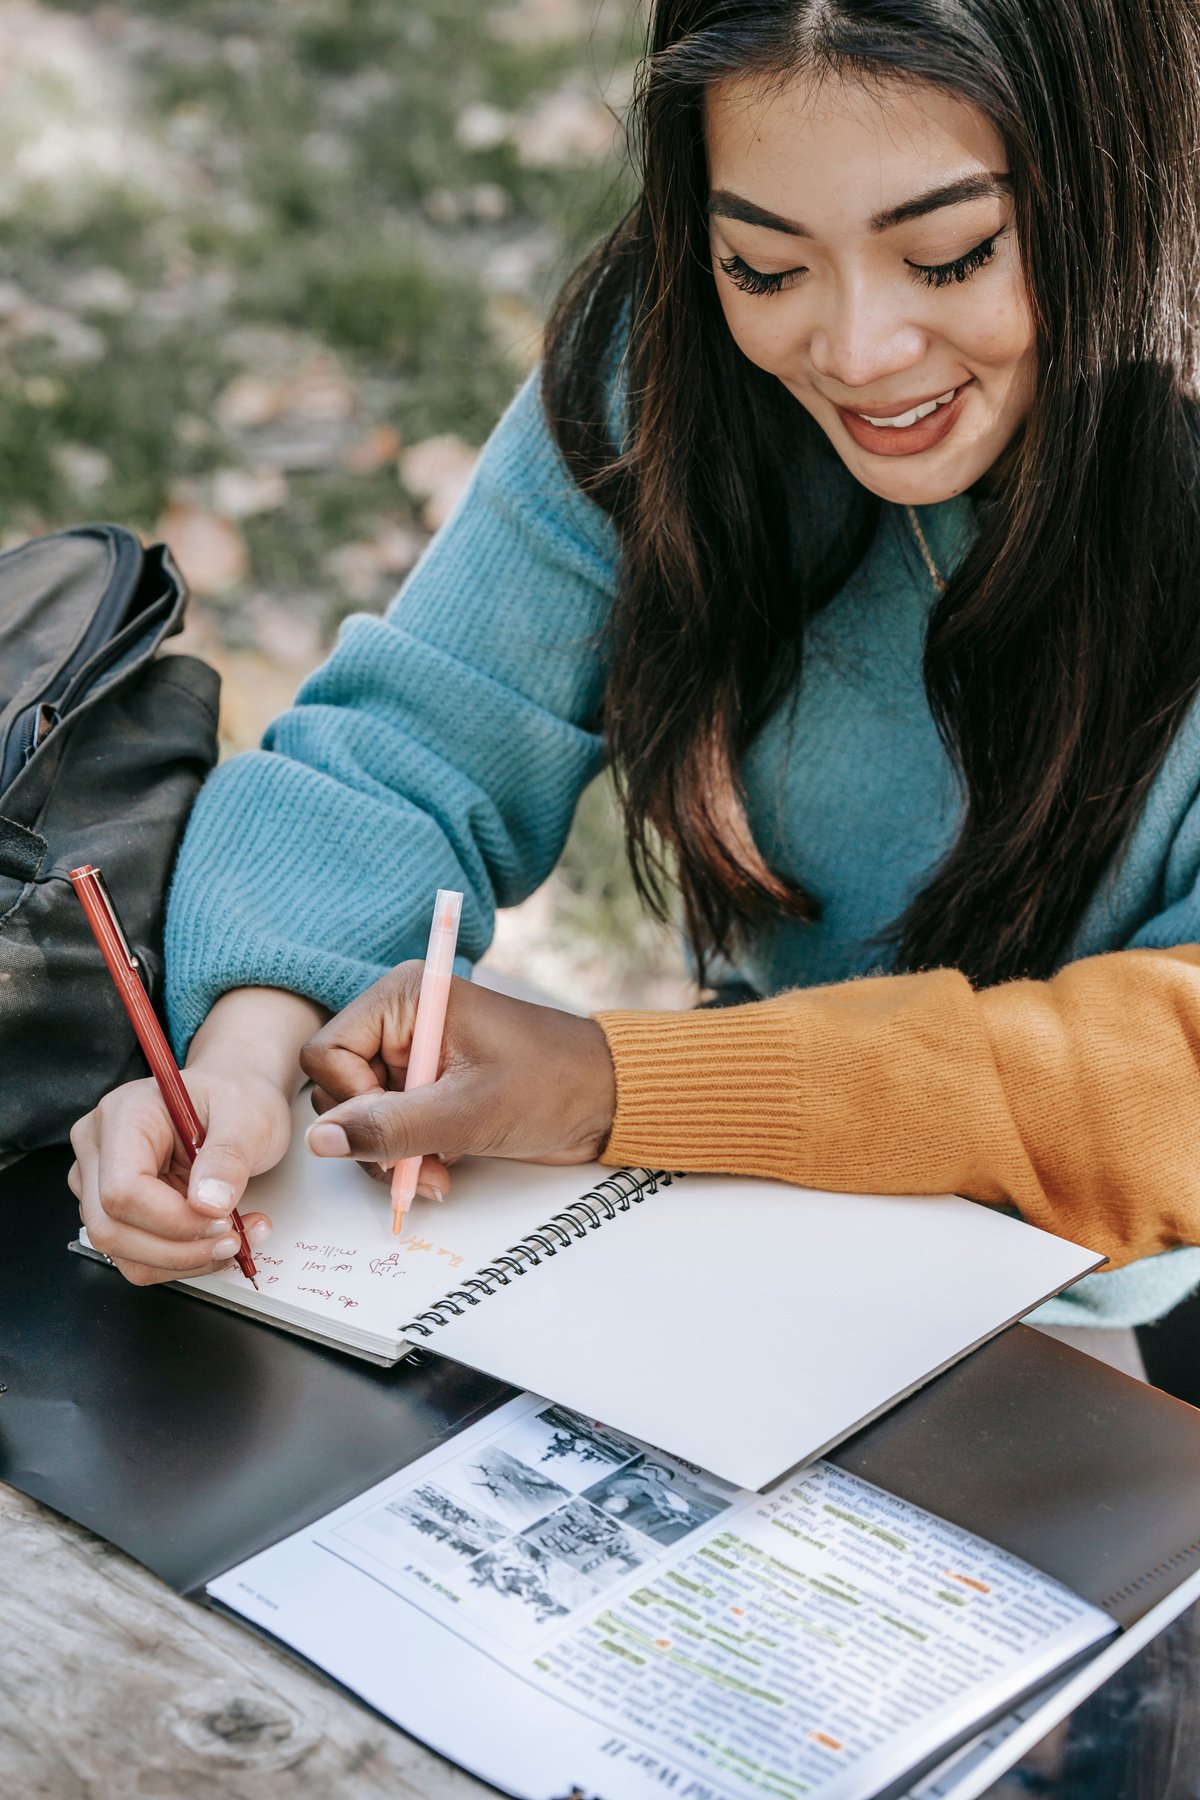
723, 204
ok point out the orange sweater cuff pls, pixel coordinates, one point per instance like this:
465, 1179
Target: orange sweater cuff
873, 1086
713, 1090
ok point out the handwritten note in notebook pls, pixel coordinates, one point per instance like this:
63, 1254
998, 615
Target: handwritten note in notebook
332, 1266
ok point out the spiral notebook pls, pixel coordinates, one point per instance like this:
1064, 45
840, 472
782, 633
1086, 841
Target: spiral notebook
743, 1325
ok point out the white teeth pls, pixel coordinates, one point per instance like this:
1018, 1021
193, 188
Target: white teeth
910, 418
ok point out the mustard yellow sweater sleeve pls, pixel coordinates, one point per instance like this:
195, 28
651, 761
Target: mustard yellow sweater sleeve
1077, 1099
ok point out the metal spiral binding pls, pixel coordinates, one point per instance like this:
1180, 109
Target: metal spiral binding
617, 1194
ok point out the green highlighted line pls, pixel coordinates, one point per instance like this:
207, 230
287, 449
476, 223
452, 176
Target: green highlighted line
693, 1587
820, 1631
823, 1587
769, 1780
848, 1518
719, 1677
677, 1606
922, 1637
889, 1537
803, 1537
725, 1561
733, 1648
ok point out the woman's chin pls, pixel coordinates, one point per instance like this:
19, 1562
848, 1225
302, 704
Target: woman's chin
923, 480
911, 489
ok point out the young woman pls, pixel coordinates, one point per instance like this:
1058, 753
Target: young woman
857, 521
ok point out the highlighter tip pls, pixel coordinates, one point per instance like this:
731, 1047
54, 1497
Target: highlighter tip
448, 909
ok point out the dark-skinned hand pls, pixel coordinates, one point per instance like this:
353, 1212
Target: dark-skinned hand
514, 1080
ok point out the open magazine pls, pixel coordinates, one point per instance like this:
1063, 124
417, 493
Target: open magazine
569, 1613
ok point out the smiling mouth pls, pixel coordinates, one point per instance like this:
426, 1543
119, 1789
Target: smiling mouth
919, 427
899, 421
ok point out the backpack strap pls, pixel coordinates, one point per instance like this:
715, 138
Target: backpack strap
22, 852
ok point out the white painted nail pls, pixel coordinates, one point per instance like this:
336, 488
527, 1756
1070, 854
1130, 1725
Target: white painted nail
217, 1195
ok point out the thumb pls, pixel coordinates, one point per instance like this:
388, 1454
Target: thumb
388, 1127
223, 1165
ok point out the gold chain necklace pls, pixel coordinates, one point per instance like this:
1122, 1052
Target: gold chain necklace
934, 576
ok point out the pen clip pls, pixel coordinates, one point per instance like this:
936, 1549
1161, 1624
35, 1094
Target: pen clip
105, 900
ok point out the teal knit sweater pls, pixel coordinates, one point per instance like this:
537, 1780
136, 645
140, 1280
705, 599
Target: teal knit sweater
447, 743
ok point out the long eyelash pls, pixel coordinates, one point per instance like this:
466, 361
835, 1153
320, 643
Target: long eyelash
753, 281
961, 269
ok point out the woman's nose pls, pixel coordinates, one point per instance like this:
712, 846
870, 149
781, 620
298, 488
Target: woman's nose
863, 339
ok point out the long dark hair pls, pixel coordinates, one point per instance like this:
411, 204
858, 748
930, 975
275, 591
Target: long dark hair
1061, 658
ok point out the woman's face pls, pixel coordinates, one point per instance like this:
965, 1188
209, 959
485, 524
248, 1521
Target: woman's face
864, 251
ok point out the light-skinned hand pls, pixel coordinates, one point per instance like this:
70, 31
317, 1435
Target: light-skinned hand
154, 1215
144, 1207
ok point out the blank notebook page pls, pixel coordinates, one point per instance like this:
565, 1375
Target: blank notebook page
746, 1325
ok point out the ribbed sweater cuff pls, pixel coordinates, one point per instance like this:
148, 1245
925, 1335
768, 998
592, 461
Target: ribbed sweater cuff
709, 1090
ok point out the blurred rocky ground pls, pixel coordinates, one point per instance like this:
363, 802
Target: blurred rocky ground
268, 275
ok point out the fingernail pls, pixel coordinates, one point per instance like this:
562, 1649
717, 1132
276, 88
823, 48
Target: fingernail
217, 1195
259, 1232
327, 1140
216, 1227
228, 1246
427, 1191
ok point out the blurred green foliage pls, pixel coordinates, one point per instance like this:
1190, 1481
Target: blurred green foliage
313, 181
321, 175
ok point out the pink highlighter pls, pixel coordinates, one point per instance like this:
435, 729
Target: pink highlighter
426, 1049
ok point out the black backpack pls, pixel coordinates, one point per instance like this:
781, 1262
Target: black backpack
103, 746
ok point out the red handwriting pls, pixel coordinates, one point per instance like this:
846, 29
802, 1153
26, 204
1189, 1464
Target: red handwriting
327, 1249
324, 1293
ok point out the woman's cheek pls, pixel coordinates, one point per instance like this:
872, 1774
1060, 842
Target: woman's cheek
765, 335
998, 333
999, 320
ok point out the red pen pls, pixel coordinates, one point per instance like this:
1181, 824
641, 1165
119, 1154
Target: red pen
123, 967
